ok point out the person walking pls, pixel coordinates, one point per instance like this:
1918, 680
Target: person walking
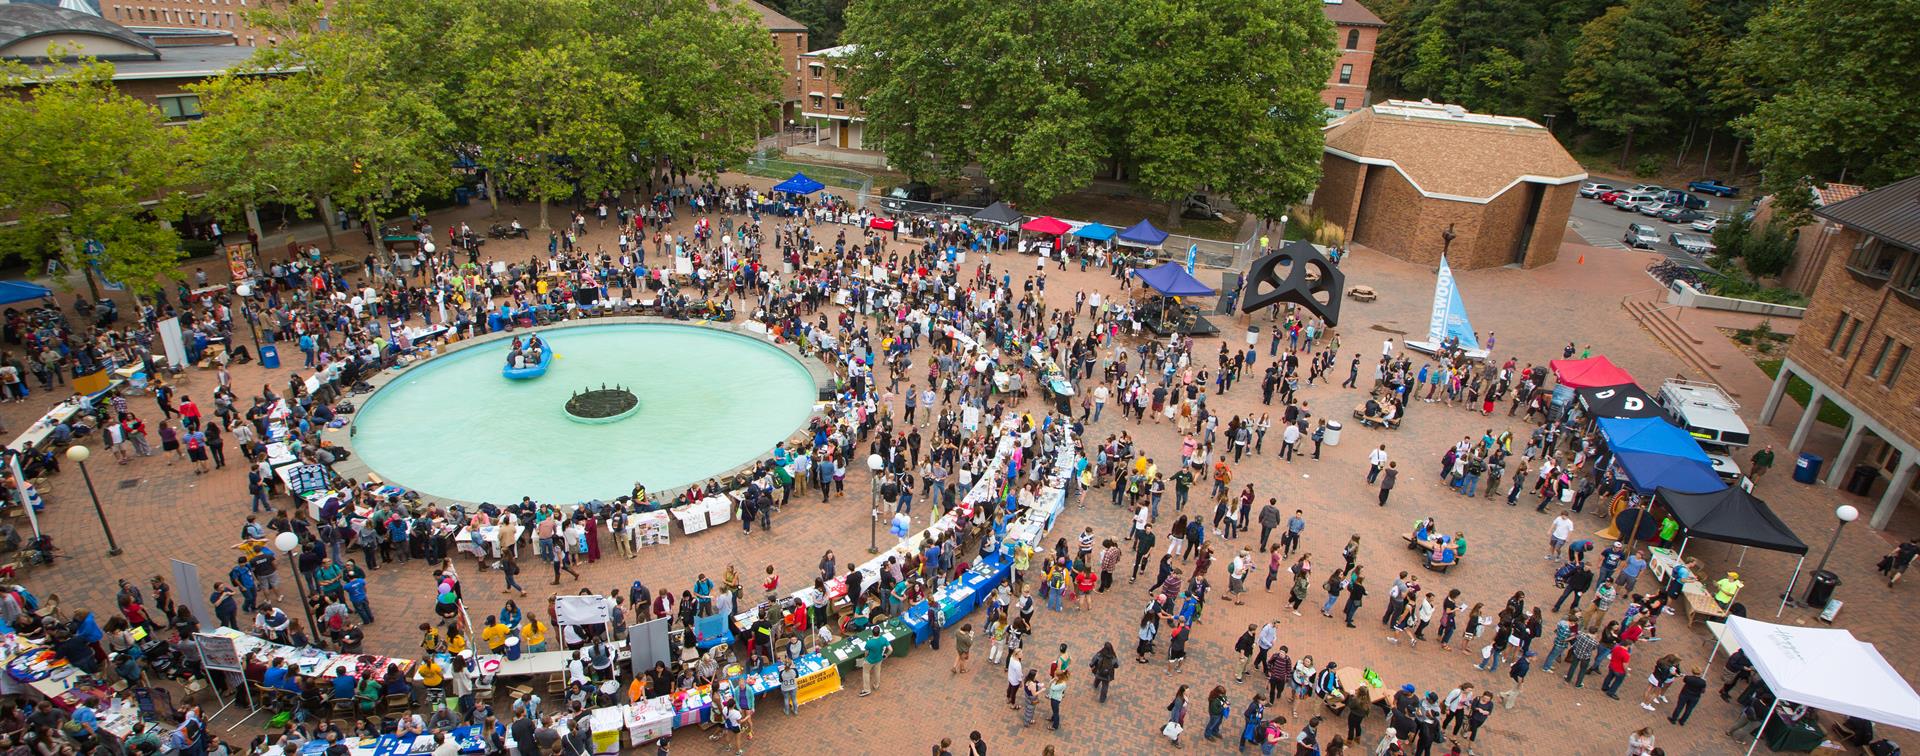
1356, 593
1217, 710
962, 648
1376, 463
1692, 688
1616, 670
878, 648
1386, 481
1176, 717
1104, 665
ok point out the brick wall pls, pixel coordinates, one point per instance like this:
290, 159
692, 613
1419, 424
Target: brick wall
1845, 298
1384, 212
216, 15
1360, 56
1337, 199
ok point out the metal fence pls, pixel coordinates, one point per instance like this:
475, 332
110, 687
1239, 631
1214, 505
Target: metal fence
859, 185
1209, 252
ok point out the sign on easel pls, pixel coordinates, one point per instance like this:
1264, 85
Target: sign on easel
218, 652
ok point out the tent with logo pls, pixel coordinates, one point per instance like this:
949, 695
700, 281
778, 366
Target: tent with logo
1826, 669
1734, 515
1626, 400
799, 184
1651, 453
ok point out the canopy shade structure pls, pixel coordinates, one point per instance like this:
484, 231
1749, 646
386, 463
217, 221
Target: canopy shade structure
1143, 234
22, 291
1652, 435
882, 224
1170, 279
1096, 231
998, 214
1731, 515
1626, 400
1649, 472
799, 184
1589, 373
1826, 669
1046, 224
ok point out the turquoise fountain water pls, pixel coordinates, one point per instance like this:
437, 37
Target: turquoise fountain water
709, 400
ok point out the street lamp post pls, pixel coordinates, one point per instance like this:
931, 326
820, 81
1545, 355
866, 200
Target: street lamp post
289, 543
1283, 230
1845, 513
79, 455
246, 313
874, 465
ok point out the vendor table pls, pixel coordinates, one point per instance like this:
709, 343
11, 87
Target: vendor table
1352, 679
37, 433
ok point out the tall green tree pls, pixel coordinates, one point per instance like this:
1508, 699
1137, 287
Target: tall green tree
80, 163
1223, 94
1623, 78
548, 115
1833, 89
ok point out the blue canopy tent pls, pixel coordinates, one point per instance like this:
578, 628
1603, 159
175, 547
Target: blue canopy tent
1096, 232
799, 184
1143, 234
1652, 453
1171, 280
22, 291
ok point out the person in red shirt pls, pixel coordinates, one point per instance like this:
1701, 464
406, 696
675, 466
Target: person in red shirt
1632, 634
1616, 669
189, 412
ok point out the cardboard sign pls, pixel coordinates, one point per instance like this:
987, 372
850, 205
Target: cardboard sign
818, 684
218, 652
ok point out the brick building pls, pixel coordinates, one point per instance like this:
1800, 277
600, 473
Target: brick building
1401, 176
1860, 330
1355, 30
789, 42
142, 68
825, 101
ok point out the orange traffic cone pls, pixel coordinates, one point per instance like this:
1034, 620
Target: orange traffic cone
1581, 261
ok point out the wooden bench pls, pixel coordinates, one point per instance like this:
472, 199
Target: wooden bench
1426, 554
1362, 294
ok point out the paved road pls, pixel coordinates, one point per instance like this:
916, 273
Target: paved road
1604, 226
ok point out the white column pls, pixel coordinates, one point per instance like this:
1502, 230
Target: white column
1774, 394
1896, 490
1848, 449
1814, 402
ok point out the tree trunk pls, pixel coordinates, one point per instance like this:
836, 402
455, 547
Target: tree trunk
1734, 168
1686, 145
326, 219
86, 265
493, 195
380, 234
253, 224
1626, 149
543, 214
1708, 159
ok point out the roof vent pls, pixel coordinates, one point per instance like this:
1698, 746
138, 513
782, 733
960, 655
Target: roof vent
1455, 111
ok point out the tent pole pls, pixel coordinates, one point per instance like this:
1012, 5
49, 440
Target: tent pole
1683, 547
1788, 596
1762, 730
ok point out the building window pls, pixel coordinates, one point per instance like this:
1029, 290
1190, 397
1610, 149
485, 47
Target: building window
817, 101
839, 103
1880, 360
816, 68
1339, 103
184, 107
1346, 73
1846, 342
1874, 259
1353, 39
1899, 362
1833, 340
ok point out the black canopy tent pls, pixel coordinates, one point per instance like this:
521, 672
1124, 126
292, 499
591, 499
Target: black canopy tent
999, 214
1733, 515
1625, 400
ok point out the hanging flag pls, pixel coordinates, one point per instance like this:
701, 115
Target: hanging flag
1193, 252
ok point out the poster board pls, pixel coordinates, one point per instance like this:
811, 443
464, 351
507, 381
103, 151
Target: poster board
647, 643
218, 652
304, 478
818, 684
582, 610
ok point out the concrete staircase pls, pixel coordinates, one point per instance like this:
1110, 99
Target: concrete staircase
1658, 320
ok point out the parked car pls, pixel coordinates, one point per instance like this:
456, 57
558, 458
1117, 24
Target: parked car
1681, 215
1713, 187
1641, 236
1648, 189
1683, 199
1593, 189
1653, 208
1607, 197
1706, 225
1692, 243
1632, 201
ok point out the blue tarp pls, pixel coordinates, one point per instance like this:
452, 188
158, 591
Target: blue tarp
1171, 280
1096, 231
1143, 234
799, 184
1652, 453
22, 291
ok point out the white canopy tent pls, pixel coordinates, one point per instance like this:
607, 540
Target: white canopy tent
1825, 669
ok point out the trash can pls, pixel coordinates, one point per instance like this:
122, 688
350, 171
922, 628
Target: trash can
1333, 433
460, 195
1861, 481
1820, 585
1807, 469
270, 357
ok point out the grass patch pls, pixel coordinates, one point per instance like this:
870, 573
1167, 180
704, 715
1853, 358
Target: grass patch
1801, 392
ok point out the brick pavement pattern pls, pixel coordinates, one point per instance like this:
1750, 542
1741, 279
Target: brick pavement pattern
161, 511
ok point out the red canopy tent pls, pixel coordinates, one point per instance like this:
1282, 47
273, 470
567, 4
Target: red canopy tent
881, 224
1046, 224
1592, 372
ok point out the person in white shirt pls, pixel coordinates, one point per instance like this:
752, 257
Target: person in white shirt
1377, 459
1557, 537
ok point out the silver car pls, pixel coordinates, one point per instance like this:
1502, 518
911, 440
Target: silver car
1692, 243
1706, 225
1653, 209
1594, 189
1632, 200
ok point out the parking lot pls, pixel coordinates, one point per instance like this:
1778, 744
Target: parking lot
1604, 226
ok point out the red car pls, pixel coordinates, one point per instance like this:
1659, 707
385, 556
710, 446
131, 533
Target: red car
1609, 197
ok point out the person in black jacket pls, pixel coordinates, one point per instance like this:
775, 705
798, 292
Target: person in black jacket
1577, 581
1742, 670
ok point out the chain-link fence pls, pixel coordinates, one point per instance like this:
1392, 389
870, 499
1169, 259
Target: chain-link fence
858, 185
1208, 252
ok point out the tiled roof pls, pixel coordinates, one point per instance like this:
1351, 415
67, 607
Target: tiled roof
1350, 13
771, 19
1891, 213
1831, 193
1448, 153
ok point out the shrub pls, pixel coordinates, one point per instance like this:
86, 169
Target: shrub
1648, 166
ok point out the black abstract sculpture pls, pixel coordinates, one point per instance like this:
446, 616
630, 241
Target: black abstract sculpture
1312, 281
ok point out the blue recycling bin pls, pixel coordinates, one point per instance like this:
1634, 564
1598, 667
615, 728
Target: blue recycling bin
270, 357
460, 195
1807, 468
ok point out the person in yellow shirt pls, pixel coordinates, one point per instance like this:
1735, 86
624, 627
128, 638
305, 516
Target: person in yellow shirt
430, 640
494, 635
533, 635
456, 641
430, 673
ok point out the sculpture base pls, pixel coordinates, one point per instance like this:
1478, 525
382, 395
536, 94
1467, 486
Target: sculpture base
602, 405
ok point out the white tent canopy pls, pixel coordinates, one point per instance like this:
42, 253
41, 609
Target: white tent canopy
1827, 669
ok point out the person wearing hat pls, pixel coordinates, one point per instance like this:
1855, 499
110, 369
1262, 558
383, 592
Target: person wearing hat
1726, 588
